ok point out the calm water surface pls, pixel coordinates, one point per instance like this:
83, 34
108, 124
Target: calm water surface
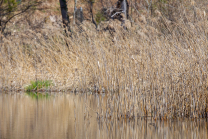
74, 116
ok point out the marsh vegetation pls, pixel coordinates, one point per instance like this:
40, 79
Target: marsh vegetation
155, 67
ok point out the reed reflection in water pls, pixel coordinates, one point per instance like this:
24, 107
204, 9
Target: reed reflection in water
74, 116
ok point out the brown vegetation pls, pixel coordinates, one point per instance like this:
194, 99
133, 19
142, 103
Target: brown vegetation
158, 66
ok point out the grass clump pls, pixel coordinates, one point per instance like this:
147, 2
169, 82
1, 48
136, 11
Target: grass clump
36, 85
100, 17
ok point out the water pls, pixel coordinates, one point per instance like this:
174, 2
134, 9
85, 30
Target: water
74, 116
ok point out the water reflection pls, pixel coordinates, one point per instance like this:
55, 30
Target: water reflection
74, 116
36, 95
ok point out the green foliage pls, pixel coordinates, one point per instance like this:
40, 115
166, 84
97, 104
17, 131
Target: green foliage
35, 85
99, 17
58, 9
12, 5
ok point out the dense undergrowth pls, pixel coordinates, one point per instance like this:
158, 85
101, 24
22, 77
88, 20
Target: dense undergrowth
157, 67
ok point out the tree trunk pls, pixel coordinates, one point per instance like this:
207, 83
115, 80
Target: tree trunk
125, 9
91, 8
75, 8
1, 2
64, 14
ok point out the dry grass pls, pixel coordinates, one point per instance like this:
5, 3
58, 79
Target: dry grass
158, 67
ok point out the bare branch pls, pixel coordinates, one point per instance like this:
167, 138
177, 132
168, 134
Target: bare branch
15, 10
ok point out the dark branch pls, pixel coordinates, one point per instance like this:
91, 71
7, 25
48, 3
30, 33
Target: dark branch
91, 8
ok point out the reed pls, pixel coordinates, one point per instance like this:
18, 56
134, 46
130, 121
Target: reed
156, 68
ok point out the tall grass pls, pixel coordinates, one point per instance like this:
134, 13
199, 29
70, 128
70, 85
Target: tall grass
156, 69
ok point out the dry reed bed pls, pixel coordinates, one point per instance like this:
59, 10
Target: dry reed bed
156, 69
